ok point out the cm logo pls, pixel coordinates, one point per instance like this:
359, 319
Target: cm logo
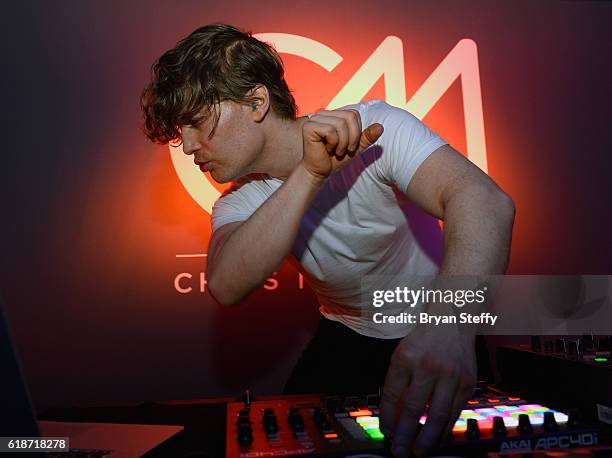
386, 61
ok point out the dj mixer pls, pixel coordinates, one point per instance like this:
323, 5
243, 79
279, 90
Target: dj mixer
574, 372
337, 426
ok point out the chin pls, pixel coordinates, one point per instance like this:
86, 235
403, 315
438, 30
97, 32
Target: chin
220, 178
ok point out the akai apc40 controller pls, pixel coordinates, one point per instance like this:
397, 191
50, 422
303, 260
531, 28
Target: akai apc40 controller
338, 426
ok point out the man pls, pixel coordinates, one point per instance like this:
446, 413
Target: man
323, 192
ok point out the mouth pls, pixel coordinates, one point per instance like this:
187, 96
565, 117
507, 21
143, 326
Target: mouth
204, 166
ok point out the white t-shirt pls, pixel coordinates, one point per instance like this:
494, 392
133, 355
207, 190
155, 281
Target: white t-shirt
355, 225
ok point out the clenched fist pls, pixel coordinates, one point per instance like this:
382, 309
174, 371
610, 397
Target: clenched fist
333, 138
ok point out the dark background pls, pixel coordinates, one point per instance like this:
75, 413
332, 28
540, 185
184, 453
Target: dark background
93, 215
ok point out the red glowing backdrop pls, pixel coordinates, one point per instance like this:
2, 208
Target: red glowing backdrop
103, 303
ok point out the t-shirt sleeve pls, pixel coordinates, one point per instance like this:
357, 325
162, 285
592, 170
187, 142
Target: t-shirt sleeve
406, 143
237, 203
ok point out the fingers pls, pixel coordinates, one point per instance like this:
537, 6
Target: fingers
329, 135
439, 415
336, 143
370, 135
347, 124
418, 373
352, 120
398, 376
409, 411
465, 390
458, 405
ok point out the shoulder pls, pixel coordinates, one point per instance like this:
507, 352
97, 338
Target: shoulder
242, 198
249, 190
381, 111
390, 116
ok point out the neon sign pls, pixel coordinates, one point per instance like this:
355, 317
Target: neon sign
386, 61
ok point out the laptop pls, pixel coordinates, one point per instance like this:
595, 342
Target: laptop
17, 418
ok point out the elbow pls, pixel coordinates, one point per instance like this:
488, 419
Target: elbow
504, 208
220, 293
483, 202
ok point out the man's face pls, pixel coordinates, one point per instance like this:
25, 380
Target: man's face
233, 147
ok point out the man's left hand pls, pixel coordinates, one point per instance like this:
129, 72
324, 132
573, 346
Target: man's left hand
425, 369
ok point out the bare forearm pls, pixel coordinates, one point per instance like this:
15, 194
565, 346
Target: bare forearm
258, 247
477, 233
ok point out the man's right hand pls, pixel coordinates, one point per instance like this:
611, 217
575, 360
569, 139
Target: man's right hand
333, 138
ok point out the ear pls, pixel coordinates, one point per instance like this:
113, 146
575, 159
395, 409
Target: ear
260, 105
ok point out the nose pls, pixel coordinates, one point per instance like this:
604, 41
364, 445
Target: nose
190, 142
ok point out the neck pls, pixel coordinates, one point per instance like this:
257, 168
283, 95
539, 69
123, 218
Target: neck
283, 147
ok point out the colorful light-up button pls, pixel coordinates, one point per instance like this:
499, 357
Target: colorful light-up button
460, 428
487, 411
510, 421
375, 434
536, 419
601, 359
502, 408
539, 410
360, 413
529, 407
486, 424
560, 417
369, 426
366, 420
330, 436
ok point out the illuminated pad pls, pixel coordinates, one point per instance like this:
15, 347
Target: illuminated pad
370, 425
484, 416
509, 414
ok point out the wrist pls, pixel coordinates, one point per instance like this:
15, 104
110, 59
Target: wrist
314, 179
